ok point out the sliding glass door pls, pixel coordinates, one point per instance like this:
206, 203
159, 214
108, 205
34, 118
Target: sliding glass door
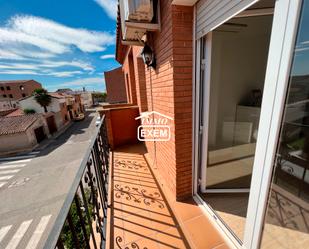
233, 83
244, 86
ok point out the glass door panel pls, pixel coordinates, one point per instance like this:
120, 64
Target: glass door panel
234, 79
287, 216
238, 65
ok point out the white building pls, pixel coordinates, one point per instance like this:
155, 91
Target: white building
57, 106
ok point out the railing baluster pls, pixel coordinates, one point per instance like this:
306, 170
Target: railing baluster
81, 219
73, 231
87, 213
100, 184
60, 243
85, 210
94, 195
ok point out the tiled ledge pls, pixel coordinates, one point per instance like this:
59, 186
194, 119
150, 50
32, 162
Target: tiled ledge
198, 230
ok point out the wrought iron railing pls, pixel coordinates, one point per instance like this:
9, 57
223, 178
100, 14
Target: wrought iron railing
82, 222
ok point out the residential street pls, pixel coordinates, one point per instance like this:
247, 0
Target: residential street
33, 186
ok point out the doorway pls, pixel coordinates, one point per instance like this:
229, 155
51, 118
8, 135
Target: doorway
235, 55
51, 123
39, 134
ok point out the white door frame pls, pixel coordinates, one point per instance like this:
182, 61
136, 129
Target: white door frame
206, 94
277, 73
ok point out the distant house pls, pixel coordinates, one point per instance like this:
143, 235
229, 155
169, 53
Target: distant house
73, 102
85, 96
57, 115
64, 90
115, 86
13, 90
21, 133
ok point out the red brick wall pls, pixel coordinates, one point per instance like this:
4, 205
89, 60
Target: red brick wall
140, 79
15, 89
169, 91
160, 96
115, 86
128, 69
182, 65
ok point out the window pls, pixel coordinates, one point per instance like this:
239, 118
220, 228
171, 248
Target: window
8, 88
2, 88
24, 95
11, 96
4, 96
22, 88
287, 215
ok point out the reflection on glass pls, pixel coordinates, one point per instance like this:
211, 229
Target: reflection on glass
287, 217
238, 65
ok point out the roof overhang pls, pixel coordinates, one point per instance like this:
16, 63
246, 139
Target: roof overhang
121, 48
184, 2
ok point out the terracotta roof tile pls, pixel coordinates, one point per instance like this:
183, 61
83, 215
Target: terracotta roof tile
17, 124
16, 112
7, 111
12, 81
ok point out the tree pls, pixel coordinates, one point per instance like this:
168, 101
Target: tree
29, 111
42, 97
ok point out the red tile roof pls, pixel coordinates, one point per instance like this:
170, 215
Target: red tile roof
16, 112
17, 124
56, 95
12, 81
7, 111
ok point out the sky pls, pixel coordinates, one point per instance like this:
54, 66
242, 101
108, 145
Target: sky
68, 43
301, 59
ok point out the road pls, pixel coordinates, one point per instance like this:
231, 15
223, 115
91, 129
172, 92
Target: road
33, 186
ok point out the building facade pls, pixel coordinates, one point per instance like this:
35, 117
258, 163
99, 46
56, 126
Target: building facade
12, 91
58, 107
115, 86
21, 133
232, 77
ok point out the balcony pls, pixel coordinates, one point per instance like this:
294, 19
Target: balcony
118, 201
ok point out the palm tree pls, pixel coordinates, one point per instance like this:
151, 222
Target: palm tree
42, 97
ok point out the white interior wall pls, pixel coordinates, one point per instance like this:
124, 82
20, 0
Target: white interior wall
237, 67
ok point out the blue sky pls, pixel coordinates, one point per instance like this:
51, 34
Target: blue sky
68, 43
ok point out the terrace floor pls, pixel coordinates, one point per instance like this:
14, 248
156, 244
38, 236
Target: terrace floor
142, 217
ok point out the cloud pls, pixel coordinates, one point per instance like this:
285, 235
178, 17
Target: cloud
80, 83
27, 36
85, 40
85, 81
27, 72
75, 63
11, 36
46, 67
107, 56
31, 45
65, 73
109, 6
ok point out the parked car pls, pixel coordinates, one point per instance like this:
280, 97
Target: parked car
98, 121
80, 117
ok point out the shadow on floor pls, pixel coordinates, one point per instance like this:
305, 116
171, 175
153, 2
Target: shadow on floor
141, 216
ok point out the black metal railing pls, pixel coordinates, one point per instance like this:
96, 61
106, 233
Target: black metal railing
82, 223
